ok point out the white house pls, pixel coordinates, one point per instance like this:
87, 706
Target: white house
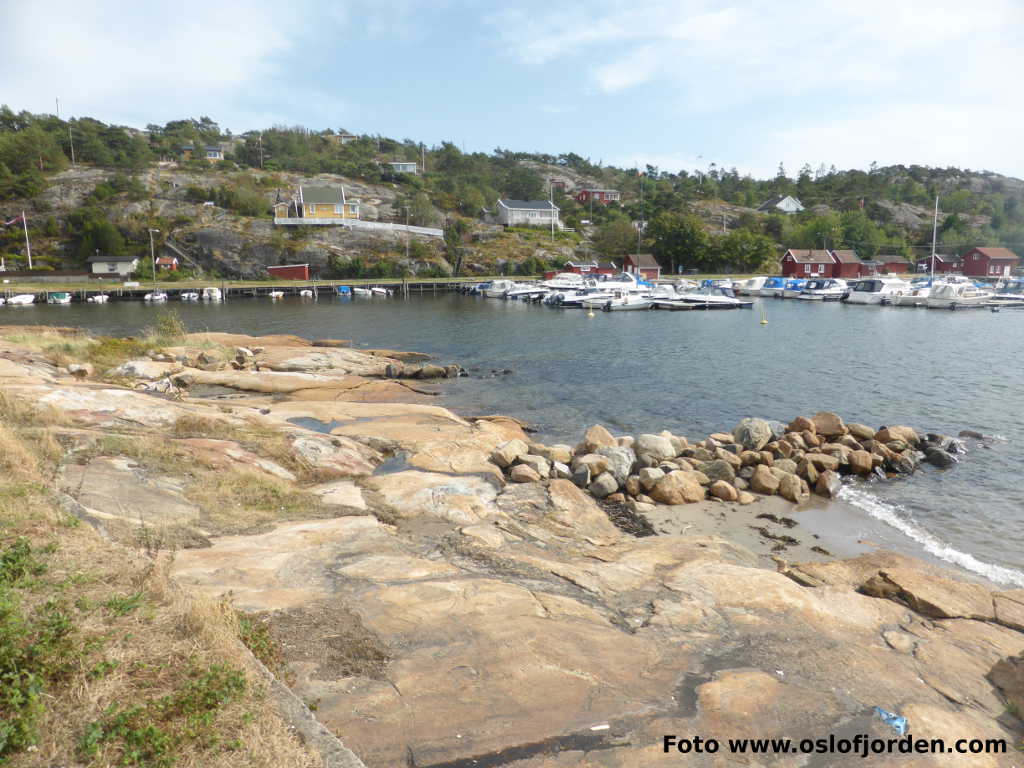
782, 204
115, 266
403, 167
531, 213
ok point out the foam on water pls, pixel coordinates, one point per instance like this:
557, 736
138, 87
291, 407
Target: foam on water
897, 517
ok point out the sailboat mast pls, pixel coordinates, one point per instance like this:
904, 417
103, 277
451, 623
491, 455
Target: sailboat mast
935, 230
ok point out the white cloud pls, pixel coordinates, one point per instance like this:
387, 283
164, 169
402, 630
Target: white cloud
121, 61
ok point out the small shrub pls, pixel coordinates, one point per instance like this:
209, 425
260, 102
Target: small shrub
256, 636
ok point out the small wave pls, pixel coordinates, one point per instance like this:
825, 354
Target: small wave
895, 516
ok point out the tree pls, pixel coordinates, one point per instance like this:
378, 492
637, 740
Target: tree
679, 240
616, 238
522, 183
744, 251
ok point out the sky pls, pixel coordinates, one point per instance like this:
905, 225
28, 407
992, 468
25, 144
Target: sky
678, 84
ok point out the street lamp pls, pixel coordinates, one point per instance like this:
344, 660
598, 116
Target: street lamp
152, 256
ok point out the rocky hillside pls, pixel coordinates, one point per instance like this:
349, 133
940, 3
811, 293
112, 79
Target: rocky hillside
429, 613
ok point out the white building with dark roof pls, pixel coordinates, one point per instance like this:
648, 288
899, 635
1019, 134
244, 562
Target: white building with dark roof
530, 213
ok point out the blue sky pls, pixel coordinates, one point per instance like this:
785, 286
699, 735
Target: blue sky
680, 84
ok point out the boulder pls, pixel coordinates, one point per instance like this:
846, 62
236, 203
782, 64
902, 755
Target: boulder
794, 489
677, 488
795, 440
719, 470
861, 462
822, 461
752, 434
594, 461
81, 370
828, 484
557, 452
786, 465
722, 490
888, 434
603, 485
595, 437
801, 424
431, 371
930, 595
506, 454
778, 429
750, 458
561, 471
523, 473
633, 485
1009, 608
723, 438
745, 498
808, 472
939, 458
538, 464
767, 458
848, 441
828, 424
723, 454
703, 454
763, 481
649, 477
620, 461
861, 431
1008, 676
581, 476
655, 446
626, 441
810, 439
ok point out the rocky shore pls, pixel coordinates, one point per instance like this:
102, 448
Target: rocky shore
446, 592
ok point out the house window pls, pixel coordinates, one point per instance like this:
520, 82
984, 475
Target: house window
807, 269
111, 267
339, 210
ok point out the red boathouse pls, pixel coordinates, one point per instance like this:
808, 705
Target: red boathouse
290, 272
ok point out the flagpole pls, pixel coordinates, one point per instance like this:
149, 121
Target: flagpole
28, 245
935, 230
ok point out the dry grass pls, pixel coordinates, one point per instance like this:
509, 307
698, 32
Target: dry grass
268, 443
244, 501
130, 638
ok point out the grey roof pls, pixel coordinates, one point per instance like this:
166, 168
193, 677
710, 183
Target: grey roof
532, 205
96, 259
946, 258
326, 195
892, 258
847, 256
768, 205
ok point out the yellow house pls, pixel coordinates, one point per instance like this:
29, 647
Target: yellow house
326, 203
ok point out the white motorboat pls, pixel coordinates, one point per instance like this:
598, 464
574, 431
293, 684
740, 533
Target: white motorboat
623, 281
21, 299
917, 296
565, 297
305, 293
380, 291
565, 281
211, 293
275, 295
958, 295
99, 298
190, 296
750, 287
526, 291
625, 301
595, 299
663, 292
58, 297
873, 289
824, 289
2, 301
715, 297
773, 287
1009, 292
793, 288
499, 288
155, 296
362, 292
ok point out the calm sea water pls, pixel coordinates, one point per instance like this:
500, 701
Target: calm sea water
698, 372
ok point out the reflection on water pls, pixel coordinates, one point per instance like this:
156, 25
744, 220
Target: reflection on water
697, 372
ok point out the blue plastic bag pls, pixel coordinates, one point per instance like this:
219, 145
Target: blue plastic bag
898, 724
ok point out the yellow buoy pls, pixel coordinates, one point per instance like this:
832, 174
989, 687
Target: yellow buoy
590, 313
764, 320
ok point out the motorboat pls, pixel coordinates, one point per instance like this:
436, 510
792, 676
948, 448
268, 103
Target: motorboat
793, 287
623, 281
362, 292
715, 297
565, 281
498, 289
958, 295
275, 295
58, 297
526, 291
663, 292
380, 291
211, 293
626, 301
1009, 292
155, 296
824, 289
306, 293
917, 296
22, 299
190, 296
773, 287
566, 297
750, 287
99, 298
872, 290
596, 299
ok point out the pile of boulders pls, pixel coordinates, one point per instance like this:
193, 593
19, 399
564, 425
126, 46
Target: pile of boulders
758, 456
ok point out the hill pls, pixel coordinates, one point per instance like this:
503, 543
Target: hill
217, 214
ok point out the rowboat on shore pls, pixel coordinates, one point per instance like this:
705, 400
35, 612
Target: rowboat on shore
21, 300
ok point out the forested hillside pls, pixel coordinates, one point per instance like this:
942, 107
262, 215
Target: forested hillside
705, 219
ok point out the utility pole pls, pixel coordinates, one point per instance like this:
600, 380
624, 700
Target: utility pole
407, 235
261, 151
152, 257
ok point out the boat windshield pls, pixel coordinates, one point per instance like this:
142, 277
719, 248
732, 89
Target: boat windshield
868, 286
